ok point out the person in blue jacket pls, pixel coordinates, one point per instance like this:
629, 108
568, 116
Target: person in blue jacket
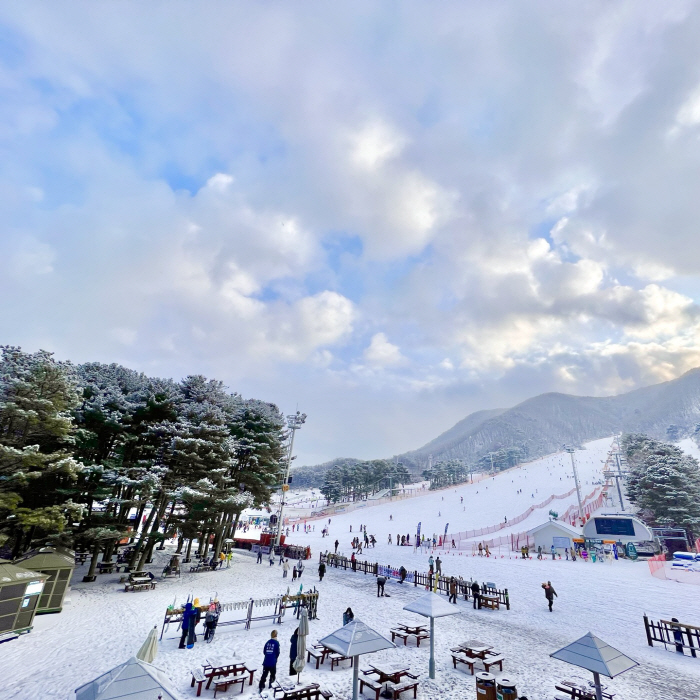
271, 651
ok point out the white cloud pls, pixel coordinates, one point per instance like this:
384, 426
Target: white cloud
381, 353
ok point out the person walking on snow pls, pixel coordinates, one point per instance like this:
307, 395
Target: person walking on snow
453, 590
321, 571
381, 581
549, 593
554, 552
293, 645
336, 546
272, 652
431, 563
272, 557
229, 556
259, 559
438, 566
300, 568
476, 592
285, 568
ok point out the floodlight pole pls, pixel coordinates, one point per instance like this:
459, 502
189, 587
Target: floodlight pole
431, 665
571, 451
294, 422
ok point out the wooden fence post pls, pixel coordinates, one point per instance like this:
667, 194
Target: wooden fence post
415, 579
646, 629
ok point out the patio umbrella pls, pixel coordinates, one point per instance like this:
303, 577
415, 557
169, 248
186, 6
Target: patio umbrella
594, 654
354, 639
302, 634
432, 606
149, 648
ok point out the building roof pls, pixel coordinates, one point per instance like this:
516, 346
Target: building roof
559, 525
47, 558
11, 573
594, 654
132, 680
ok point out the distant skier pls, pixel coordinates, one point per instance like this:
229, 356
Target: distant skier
549, 593
321, 571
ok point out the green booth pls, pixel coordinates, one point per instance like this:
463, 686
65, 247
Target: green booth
19, 596
58, 565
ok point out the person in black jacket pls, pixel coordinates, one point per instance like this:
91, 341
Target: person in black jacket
321, 571
381, 581
549, 593
476, 593
293, 652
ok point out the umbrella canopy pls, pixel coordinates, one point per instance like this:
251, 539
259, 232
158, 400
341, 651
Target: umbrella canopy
432, 606
594, 654
302, 634
354, 639
132, 680
149, 648
597, 656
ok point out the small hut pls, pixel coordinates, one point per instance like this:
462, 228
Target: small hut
58, 565
19, 596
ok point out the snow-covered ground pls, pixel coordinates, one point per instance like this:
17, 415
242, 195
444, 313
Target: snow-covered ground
102, 626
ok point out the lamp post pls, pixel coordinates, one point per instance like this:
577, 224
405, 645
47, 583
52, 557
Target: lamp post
571, 451
294, 422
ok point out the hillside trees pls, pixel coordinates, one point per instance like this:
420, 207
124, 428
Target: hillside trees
663, 482
113, 451
352, 482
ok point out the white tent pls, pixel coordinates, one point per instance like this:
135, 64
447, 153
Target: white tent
132, 680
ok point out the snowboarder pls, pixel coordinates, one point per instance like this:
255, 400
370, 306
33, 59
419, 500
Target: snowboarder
453, 590
321, 571
454, 546
271, 651
348, 616
381, 581
293, 652
285, 568
336, 546
476, 592
549, 593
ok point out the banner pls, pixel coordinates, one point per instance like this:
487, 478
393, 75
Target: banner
418, 533
446, 526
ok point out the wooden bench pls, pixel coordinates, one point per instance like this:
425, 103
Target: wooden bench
493, 660
463, 660
222, 684
491, 603
402, 687
140, 586
400, 634
316, 654
374, 685
425, 635
337, 658
310, 692
106, 568
199, 678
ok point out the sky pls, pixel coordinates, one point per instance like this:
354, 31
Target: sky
386, 215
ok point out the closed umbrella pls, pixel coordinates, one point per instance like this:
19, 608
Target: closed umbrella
432, 606
149, 648
302, 634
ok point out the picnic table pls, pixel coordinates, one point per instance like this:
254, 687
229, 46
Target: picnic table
81, 557
404, 631
474, 651
320, 653
489, 601
391, 679
311, 691
578, 691
139, 581
223, 673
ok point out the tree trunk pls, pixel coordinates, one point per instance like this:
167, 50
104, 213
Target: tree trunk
151, 537
180, 542
93, 564
189, 550
142, 536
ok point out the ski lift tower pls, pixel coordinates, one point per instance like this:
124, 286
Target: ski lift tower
617, 461
571, 451
294, 422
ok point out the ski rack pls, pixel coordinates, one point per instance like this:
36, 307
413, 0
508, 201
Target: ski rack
279, 604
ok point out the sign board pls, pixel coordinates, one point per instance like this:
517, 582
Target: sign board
614, 526
561, 542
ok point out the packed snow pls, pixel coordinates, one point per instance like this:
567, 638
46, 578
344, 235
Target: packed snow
103, 626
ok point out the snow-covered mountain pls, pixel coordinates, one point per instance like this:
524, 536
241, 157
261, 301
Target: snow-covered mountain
542, 424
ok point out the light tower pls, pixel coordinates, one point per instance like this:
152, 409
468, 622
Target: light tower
571, 451
294, 422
